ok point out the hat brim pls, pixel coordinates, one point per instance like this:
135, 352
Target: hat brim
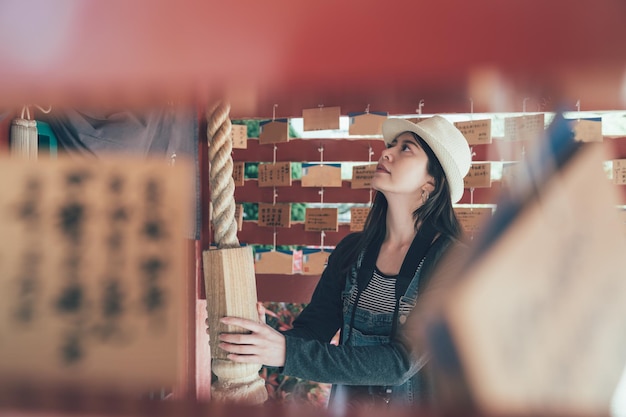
393, 127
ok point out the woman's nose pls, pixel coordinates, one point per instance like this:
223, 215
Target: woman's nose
386, 154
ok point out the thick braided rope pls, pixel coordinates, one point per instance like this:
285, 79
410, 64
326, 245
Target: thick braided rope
219, 130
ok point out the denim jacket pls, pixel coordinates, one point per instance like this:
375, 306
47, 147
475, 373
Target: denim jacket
361, 363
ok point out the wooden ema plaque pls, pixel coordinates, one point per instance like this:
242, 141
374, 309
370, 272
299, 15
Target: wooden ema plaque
322, 118
91, 257
477, 132
238, 173
273, 262
314, 261
479, 176
538, 319
524, 128
588, 130
364, 124
619, 171
321, 219
362, 176
473, 219
416, 119
321, 175
358, 215
239, 216
239, 135
274, 131
275, 174
274, 215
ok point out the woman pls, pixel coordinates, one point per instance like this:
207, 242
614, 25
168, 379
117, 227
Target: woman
374, 277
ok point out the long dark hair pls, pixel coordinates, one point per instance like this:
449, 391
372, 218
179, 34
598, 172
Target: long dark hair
437, 209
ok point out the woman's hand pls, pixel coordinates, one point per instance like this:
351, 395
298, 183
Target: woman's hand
262, 345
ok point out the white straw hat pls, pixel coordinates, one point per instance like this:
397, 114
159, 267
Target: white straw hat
445, 140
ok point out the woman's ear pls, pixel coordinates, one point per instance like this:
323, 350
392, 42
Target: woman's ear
429, 187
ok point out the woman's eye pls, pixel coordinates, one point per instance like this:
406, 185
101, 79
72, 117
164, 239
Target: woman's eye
405, 147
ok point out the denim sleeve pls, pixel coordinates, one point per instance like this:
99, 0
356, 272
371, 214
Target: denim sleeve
386, 364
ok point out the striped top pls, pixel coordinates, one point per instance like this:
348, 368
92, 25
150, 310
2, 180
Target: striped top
380, 294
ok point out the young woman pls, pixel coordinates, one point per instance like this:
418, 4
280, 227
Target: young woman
373, 278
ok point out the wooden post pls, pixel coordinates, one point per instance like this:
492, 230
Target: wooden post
230, 281
231, 291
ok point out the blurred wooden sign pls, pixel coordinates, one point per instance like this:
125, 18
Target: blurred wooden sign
238, 173
358, 215
473, 219
314, 261
275, 174
274, 131
239, 135
321, 175
362, 176
588, 130
321, 219
273, 262
322, 118
534, 333
477, 132
524, 128
91, 256
479, 175
364, 124
619, 171
274, 215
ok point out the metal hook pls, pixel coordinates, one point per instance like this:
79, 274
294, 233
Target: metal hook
420, 105
274, 112
367, 109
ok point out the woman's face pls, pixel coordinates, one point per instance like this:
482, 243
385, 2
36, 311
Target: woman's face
402, 169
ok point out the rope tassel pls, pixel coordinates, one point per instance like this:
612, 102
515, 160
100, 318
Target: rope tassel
24, 136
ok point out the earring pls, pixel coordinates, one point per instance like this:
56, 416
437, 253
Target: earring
424, 196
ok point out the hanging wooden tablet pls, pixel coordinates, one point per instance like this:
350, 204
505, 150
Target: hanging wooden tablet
524, 128
362, 176
322, 118
416, 119
364, 124
619, 171
358, 215
588, 130
473, 219
321, 219
274, 131
477, 132
314, 261
239, 135
273, 262
275, 174
238, 173
91, 256
321, 175
239, 216
479, 175
274, 215
534, 332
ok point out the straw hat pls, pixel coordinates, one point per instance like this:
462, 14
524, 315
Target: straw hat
445, 140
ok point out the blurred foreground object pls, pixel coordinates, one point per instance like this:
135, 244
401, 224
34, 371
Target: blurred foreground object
92, 272
536, 324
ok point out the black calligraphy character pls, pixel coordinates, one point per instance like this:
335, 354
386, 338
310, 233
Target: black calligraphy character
72, 216
154, 296
71, 299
